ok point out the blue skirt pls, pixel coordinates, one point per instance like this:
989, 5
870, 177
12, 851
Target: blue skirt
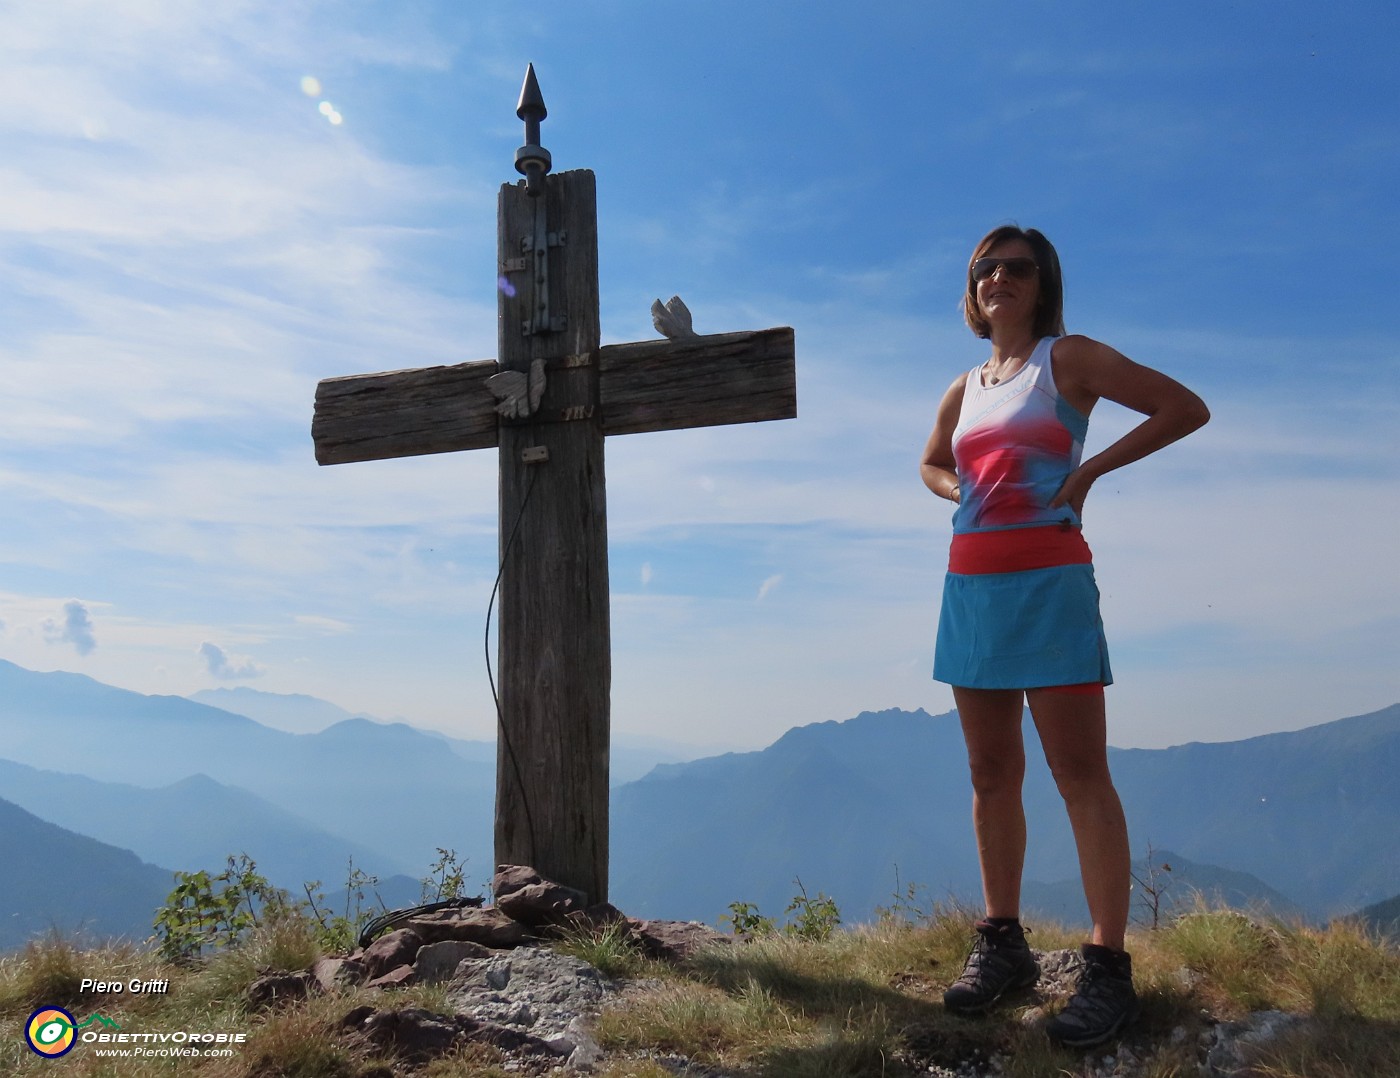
1021, 630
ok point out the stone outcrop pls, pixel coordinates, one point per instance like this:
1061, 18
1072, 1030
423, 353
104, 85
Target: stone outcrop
333, 974
674, 941
417, 1035
437, 962
489, 927
506, 990
539, 992
1233, 1049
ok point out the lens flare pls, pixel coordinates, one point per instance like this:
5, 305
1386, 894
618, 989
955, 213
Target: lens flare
311, 86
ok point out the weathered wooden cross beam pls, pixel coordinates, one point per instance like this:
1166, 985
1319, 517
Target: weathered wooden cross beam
547, 403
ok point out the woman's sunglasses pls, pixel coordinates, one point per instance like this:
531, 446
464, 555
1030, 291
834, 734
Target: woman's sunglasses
1022, 268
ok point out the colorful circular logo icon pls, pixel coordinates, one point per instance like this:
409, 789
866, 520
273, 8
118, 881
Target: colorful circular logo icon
51, 1032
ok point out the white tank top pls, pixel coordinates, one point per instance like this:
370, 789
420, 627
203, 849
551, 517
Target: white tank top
1014, 444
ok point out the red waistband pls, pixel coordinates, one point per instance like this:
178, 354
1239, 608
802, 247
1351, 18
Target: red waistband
1014, 550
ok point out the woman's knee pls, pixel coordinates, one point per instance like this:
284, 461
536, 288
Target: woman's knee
996, 753
1082, 777
997, 774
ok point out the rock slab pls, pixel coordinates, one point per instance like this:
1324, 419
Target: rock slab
536, 991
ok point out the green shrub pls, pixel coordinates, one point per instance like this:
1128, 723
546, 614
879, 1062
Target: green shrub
807, 918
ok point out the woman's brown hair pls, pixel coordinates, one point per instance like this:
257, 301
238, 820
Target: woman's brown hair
1050, 310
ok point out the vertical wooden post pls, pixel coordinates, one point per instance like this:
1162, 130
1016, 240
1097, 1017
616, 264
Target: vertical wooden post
554, 643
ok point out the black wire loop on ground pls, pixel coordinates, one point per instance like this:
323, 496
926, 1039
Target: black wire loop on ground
397, 917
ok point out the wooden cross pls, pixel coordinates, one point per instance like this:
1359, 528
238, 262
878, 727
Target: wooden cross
547, 403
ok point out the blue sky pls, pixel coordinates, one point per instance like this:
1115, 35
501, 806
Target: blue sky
188, 244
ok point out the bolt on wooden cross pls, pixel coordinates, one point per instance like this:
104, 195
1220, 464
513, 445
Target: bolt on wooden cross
547, 403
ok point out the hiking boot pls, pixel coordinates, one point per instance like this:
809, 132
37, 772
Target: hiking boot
1103, 1002
1000, 962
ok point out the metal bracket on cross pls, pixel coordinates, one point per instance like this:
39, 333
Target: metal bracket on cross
533, 162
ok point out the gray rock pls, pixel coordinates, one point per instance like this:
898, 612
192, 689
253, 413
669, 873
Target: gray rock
1059, 971
419, 1035
547, 995
1232, 1048
332, 974
439, 961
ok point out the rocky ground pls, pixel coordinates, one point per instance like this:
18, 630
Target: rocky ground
506, 988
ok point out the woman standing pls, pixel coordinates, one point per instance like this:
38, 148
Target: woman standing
1020, 617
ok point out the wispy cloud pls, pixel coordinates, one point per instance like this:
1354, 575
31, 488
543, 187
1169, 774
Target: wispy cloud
227, 667
333, 626
74, 628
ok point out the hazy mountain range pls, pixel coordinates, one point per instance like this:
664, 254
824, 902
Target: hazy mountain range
124, 782
1310, 813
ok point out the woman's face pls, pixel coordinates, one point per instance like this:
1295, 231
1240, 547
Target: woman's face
1005, 298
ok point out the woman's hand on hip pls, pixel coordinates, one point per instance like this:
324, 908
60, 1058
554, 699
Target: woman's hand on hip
1073, 491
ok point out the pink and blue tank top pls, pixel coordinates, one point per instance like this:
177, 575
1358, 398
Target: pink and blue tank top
1014, 444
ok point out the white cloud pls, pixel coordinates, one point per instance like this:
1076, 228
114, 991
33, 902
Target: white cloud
75, 628
227, 667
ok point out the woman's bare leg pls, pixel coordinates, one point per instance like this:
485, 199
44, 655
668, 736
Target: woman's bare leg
991, 723
1073, 733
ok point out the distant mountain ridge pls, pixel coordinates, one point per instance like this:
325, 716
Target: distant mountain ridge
56, 880
386, 787
632, 757
844, 806
193, 823
1300, 820
1382, 918
293, 713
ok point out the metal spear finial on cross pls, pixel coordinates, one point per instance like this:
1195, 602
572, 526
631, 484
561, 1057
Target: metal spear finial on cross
554, 637
532, 160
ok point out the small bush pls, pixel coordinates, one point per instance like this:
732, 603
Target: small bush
807, 918
206, 912
340, 932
